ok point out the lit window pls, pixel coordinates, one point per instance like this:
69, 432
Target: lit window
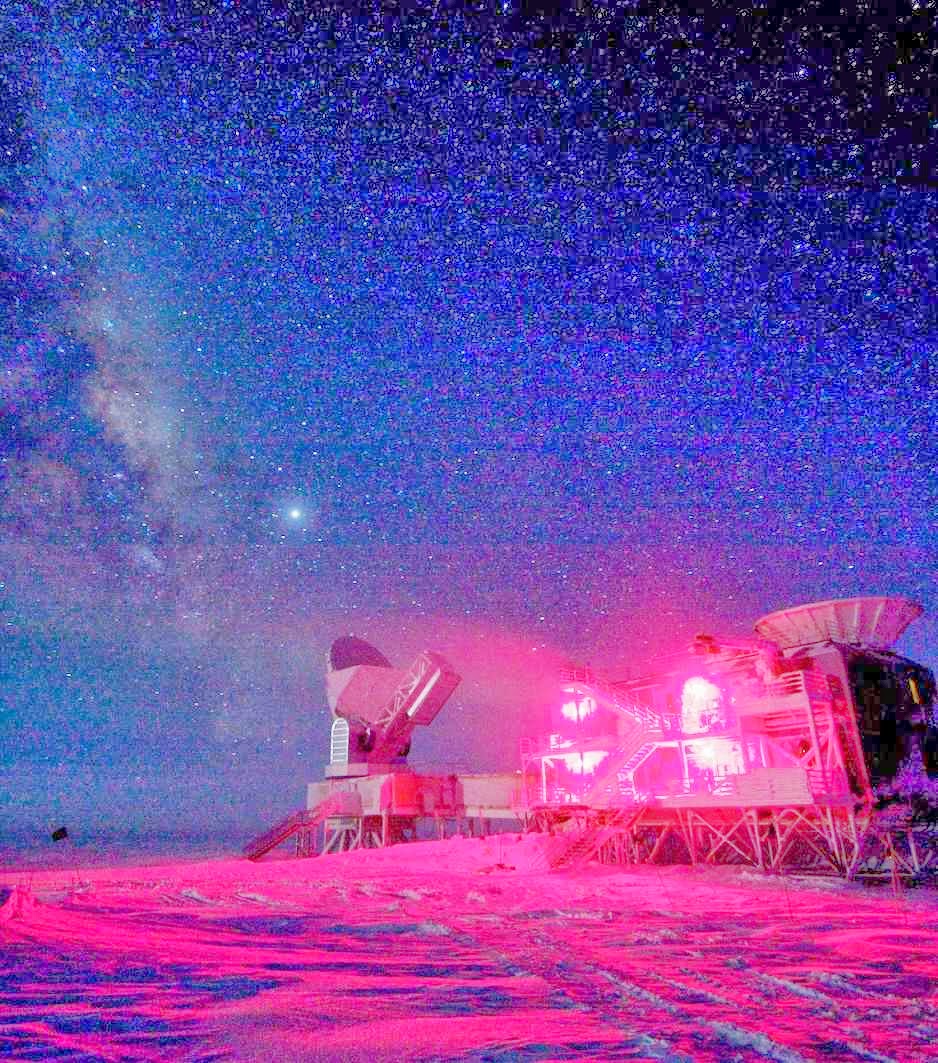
578, 707
584, 763
700, 704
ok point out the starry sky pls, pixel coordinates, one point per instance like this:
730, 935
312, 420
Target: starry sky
523, 337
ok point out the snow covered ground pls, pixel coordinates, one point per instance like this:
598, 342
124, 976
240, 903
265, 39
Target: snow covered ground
460, 950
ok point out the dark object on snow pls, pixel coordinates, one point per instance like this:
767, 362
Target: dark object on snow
59, 835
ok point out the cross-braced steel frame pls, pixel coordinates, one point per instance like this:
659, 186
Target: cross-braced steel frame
822, 839
905, 850
341, 833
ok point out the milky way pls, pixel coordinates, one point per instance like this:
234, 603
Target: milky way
529, 338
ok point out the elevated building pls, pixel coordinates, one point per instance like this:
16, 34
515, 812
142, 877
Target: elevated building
768, 750
778, 750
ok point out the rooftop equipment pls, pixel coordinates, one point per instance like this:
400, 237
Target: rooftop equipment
873, 621
375, 707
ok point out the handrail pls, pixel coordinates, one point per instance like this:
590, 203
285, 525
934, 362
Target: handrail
302, 819
587, 677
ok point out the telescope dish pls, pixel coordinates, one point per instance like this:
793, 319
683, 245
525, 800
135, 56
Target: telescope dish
349, 651
874, 621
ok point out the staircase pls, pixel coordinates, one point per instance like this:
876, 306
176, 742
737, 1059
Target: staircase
619, 765
304, 819
608, 694
586, 844
635, 761
649, 720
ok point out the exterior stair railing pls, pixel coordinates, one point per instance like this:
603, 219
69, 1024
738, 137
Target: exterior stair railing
585, 845
304, 819
625, 761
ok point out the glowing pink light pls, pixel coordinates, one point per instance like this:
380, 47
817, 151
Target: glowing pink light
707, 754
579, 708
700, 700
719, 755
584, 763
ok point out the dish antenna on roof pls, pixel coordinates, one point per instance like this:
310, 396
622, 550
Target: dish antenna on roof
872, 621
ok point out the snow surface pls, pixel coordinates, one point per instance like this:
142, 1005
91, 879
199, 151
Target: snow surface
465, 949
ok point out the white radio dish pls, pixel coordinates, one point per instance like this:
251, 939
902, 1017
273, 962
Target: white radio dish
874, 621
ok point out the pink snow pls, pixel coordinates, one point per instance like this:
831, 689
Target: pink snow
463, 949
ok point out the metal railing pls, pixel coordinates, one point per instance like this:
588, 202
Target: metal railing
304, 819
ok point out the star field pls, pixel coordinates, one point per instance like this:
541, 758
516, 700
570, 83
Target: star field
526, 337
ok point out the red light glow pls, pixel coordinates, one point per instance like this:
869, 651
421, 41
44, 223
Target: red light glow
719, 755
700, 702
579, 705
584, 763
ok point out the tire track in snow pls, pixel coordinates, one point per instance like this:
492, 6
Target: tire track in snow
809, 1005
518, 960
588, 986
552, 961
893, 1023
737, 1036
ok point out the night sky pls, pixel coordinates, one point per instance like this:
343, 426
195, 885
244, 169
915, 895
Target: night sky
522, 338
